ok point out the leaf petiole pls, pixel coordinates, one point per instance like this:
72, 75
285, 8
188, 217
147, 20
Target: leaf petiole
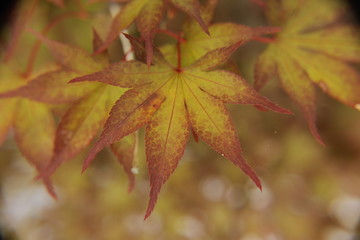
264, 39
171, 34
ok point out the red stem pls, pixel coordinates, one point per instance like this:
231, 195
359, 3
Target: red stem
178, 46
180, 40
264, 39
171, 34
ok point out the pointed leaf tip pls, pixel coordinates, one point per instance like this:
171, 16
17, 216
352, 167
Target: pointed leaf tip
216, 57
154, 192
84, 167
47, 172
249, 172
91, 155
98, 146
192, 8
50, 188
257, 181
314, 131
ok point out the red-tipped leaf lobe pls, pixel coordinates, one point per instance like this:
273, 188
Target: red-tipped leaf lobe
213, 126
131, 112
314, 47
81, 122
165, 140
302, 92
169, 101
148, 15
121, 21
52, 87
191, 7
148, 22
34, 135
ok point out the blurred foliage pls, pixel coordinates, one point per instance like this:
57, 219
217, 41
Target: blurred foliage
310, 192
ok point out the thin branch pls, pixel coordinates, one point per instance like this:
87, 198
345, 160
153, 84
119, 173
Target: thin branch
264, 39
171, 34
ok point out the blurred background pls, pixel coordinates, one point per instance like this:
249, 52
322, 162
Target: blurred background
310, 191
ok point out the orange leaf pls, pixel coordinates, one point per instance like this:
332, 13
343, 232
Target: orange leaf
80, 124
132, 111
170, 100
312, 48
53, 87
33, 123
213, 125
35, 135
165, 139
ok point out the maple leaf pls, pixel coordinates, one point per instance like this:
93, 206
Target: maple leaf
148, 14
91, 102
33, 124
195, 43
52, 87
313, 48
169, 100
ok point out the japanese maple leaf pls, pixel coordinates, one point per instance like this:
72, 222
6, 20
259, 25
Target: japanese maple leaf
52, 86
91, 104
148, 14
32, 122
169, 100
313, 48
195, 43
